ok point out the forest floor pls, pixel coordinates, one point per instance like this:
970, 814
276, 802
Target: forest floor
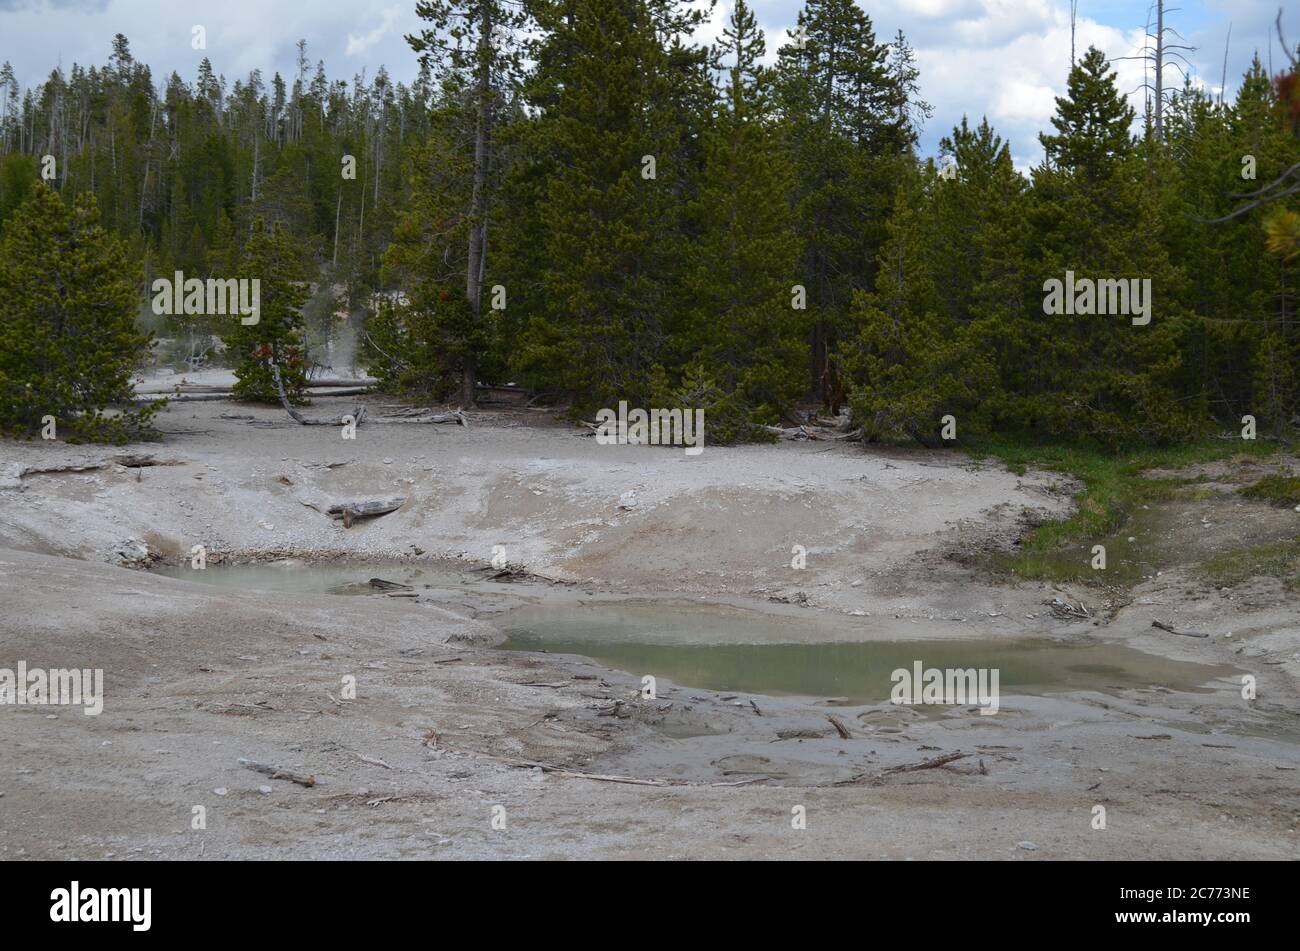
445, 727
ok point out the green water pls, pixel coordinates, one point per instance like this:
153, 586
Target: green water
800, 653
746, 652
299, 577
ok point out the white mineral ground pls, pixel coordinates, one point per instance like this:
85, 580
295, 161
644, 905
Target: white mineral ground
199, 676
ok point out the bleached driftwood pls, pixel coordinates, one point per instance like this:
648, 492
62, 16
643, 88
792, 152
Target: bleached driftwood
457, 417
366, 508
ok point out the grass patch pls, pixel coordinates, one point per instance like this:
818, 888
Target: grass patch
1279, 560
1114, 488
1281, 490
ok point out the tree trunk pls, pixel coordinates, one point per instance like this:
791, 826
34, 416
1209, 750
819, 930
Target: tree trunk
1160, 69
478, 202
338, 208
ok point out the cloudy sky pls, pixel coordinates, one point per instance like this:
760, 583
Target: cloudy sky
1006, 59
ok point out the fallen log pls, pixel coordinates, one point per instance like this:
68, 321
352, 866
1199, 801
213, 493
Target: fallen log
457, 417
1171, 630
340, 381
810, 432
166, 389
186, 397
227, 395
133, 461
197, 389
935, 763
277, 772
1066, 610
577, 774
371, 508
23, 471
342, 419
128, 461
354, 417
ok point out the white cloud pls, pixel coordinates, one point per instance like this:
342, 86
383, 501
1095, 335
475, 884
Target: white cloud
359, 44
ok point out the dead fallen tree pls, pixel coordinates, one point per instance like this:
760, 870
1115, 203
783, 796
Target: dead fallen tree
277, 772
357, 384
578, 774
937, 763
814, 433
228, 395
421, 416
17, 471
1066, 611
1170, 628
129, 461
355, 417
818, 428
369, 508
342, 419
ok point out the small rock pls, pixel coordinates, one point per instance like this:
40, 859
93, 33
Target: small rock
220, 790
264, 789
1027, 846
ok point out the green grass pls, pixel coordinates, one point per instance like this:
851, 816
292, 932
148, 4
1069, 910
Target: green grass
1114, 488
1281, 490
1278, 560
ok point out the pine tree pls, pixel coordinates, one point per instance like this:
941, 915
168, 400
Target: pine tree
1096, 213
18, 176
474, 42
424, 335
273, 346
68, 340
596, 257
914, 362
981, 266
742, 333
842, 114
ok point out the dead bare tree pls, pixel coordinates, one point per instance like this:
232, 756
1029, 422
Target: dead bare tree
1158, 54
